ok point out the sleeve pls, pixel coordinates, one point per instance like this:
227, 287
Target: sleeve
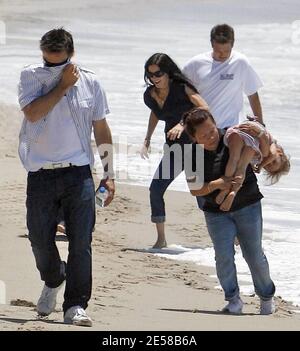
29, 88
147, 99
251, 82
101, 106
189, 70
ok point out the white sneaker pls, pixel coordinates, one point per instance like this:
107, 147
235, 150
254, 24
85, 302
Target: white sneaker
76, 315
267, 306
235, 306
47, 301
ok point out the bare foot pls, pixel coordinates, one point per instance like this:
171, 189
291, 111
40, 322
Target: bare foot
221, 196
159, 244
227, 203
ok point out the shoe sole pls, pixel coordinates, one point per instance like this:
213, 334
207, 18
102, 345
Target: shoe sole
229, 312
45, 314
86, 323
42, 314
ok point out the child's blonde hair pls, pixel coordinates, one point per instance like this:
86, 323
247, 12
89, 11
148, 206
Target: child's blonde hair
284, 168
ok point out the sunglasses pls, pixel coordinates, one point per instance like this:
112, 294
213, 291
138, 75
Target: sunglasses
156, 74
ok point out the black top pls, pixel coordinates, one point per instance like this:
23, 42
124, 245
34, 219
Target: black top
176, 104
214, 167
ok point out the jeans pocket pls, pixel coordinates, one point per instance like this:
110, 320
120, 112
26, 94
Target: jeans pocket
88, 189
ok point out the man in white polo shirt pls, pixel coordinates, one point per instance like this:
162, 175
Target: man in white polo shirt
222, 76
62, 103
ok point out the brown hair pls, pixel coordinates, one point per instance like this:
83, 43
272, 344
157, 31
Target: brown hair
195, 117
282, 170
222, 34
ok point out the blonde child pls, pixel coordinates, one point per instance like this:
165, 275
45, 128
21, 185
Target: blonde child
250, 142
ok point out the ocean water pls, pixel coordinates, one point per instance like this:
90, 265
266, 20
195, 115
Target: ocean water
115, 38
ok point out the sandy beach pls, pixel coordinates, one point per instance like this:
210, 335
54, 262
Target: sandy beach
132, 288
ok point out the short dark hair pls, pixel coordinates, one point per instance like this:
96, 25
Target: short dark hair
194, 118
222, 34
57, 40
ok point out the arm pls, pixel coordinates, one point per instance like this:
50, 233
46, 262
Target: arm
256, 106
195, 99
264, 145
209, 187
41, 106
152, 123
104, 145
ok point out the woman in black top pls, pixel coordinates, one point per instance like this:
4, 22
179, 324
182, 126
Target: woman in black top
244, 218
169, 95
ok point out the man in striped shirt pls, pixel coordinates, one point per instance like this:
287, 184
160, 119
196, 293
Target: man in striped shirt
62, 103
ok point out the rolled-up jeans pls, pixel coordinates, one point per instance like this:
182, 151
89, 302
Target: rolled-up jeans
169, 168
71, 189
246, 224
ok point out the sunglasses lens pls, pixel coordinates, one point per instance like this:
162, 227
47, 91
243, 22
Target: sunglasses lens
159, 74
156, 74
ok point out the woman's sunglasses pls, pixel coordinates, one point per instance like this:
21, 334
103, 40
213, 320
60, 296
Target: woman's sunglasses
156, 74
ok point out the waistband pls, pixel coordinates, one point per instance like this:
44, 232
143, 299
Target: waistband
57, 165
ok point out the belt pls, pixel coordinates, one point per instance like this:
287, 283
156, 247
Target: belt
57, 165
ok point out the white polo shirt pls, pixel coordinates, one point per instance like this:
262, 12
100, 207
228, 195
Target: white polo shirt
222, 84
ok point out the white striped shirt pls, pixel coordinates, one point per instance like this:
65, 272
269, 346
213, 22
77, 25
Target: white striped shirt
86, 99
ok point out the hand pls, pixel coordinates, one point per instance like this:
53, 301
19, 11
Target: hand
145, 150
257, 168
252, 129
222, 183
175, 132
109, 185
70, 75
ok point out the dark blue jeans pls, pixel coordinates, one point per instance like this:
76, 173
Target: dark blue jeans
71, 189
246, 224
168, 169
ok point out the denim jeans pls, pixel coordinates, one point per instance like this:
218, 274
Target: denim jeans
246, 224
71, 189
168, 169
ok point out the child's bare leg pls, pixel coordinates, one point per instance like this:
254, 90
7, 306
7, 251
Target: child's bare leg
239, 177
246, 158
235, 145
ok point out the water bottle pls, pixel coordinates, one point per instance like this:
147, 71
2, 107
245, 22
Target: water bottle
101, 196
